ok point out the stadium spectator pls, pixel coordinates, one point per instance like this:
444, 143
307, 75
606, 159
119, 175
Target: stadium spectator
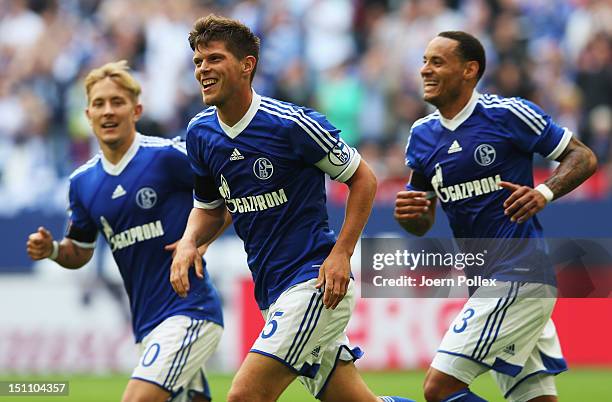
548, 50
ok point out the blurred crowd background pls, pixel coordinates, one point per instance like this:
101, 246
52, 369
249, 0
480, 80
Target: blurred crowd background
356, 61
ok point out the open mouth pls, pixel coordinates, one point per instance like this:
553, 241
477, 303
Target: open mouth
208, 83
110, 124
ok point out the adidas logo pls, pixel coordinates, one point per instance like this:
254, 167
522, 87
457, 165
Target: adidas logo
455, 147
509, 349
236, 155
119, 192
315, 352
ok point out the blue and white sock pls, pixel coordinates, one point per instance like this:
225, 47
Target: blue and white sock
465, 395
394, 399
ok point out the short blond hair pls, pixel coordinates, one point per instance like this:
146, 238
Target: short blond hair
118, 72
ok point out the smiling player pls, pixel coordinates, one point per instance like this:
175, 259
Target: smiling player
474, 155
265, 161
138, 192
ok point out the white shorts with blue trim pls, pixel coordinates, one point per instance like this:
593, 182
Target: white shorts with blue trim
305, 336
172, 356
513, 336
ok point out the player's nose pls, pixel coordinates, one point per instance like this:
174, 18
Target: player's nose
108, 109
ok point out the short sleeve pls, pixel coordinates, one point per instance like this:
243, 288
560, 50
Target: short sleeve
534, 131
418, 180
178, 166
318, 142
81, 229
206, 195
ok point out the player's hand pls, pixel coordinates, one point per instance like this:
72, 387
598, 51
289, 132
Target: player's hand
40, 244
186, 255
410, 205
334, 277
172, 248
523, 203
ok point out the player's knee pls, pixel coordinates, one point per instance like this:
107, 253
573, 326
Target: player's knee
434, 389
431, 392
243, 394
138, 391
140, 397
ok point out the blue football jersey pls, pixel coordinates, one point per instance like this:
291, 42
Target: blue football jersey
492, 139
269, 169
140, 205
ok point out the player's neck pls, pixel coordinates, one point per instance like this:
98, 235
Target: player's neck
450, 110
231, 112
114, 153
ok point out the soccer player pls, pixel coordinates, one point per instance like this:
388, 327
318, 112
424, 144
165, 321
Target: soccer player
474, 155
264, 161
138, 192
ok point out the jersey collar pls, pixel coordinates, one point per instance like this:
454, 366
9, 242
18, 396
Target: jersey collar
463, 115
115, 170
237, 128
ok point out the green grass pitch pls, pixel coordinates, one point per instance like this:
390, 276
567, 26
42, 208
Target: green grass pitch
577, 385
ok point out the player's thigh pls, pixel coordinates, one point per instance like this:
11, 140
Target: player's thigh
305, 336
142, 391
299, 329
498, 332
346, 384
174, 353
260, 378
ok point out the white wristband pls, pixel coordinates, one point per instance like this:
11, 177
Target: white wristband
55, 251
545, 191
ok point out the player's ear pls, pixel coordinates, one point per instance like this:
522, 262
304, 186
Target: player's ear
471, 70
88, 114
137, 111
248, 64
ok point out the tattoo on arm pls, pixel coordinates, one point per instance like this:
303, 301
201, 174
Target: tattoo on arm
578, 163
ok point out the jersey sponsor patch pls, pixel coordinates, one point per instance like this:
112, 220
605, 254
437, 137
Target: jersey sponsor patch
461, 191
132, 235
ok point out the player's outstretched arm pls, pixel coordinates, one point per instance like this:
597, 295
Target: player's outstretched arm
577, 163
335, 271
40, 245
202, 226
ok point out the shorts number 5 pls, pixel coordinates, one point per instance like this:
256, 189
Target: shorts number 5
467, 314
273, 326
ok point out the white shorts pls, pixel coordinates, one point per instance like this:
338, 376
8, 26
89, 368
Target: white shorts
172, 356
307, 337
512, 335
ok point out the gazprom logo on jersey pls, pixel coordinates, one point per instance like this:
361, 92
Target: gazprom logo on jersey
461, 191
132, 235
251, 203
